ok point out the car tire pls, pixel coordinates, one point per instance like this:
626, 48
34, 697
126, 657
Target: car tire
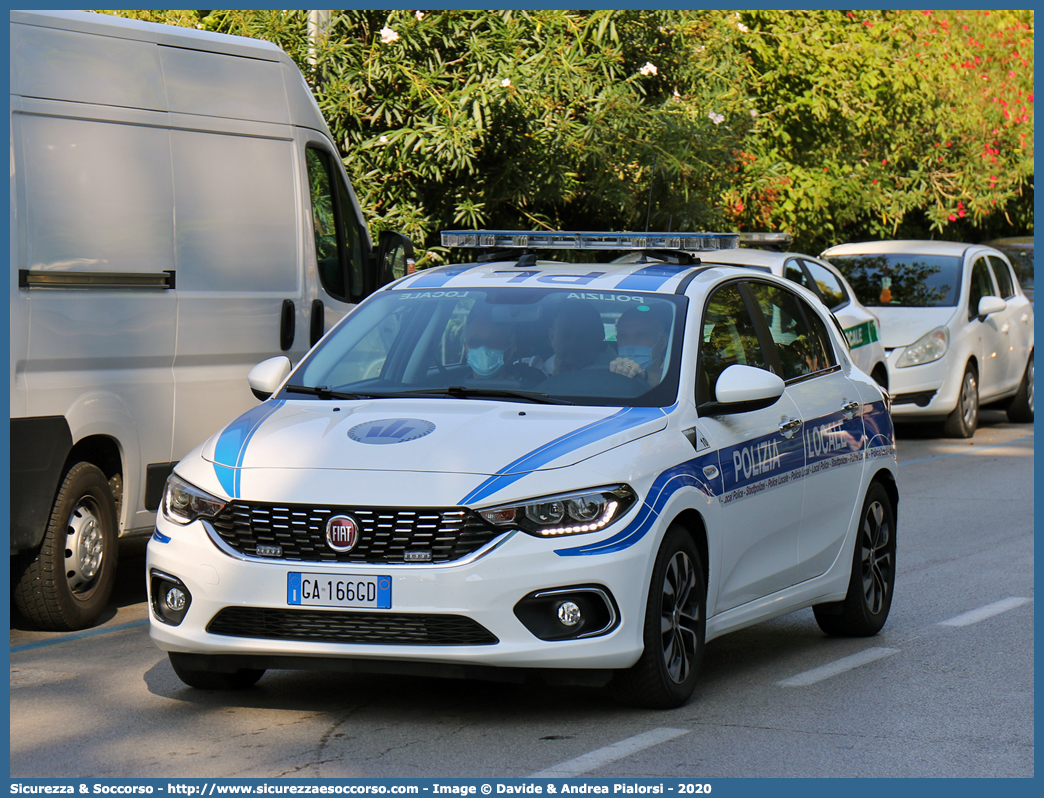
66, 583
880, 375
1021, 408
962, 422
864, 609
674, 628
212, 680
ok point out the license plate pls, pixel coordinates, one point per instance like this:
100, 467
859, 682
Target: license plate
338, 590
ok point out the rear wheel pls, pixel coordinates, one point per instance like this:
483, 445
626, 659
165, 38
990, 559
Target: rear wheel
675, 623
66, 584
212, 680
962, 422
865, 609
1021, 408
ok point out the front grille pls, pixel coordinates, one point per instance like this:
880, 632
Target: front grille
386, 534
318, 626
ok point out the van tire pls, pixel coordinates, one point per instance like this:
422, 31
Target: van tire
961, 423
212, 680
1021, 408
665, 675
66, 583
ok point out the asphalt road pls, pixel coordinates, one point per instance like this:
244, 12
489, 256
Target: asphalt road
945, 690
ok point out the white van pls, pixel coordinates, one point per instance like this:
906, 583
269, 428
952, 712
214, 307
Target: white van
178, 213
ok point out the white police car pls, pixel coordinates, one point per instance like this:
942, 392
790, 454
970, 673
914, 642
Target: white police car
529, 464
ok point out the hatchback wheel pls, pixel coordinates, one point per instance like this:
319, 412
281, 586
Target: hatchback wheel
864, 610
965, 417
675, 623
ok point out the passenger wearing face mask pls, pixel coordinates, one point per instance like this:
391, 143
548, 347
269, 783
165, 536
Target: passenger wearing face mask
641, 343
491, 350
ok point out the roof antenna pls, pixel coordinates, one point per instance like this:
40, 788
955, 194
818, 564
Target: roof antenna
648, 205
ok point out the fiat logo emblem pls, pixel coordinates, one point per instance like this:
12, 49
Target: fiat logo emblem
342, 533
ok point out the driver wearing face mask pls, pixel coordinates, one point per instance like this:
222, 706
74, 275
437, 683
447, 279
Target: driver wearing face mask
491, 350
641, 338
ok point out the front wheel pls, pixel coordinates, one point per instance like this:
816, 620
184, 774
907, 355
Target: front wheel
1021, 408
675, 624
66, 584
865, 609
962, 422
212, 680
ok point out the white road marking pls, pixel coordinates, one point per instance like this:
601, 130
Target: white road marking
838, 666
610, 753
981, 614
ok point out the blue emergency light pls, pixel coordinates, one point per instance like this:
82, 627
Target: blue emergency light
561, 239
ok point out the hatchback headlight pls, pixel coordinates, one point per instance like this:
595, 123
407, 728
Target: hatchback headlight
184, 503
926, 349
566, 513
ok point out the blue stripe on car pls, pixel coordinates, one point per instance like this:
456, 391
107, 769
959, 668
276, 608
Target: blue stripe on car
621, 421
436, 278
231, 446
651, 277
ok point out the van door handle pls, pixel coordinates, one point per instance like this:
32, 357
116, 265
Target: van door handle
286, 325
318, 324
849, 410
788, 429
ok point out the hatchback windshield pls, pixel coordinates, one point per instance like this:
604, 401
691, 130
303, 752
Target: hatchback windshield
917, 281
519, 344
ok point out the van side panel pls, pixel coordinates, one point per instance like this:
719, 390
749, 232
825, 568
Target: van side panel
62, 65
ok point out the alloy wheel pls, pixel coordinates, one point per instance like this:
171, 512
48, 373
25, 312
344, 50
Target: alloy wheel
679, 617
876, 557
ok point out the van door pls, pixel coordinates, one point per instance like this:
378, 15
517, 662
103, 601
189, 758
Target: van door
340, 269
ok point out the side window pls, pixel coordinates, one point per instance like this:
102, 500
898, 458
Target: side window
793, 272
728, 338
797, 331
830, 288
981, 285
1004, 283
338, 241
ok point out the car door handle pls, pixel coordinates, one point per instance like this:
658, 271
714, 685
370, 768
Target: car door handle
788, 429
849, 409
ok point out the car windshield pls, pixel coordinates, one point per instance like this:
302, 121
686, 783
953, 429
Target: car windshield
516, 344
916, 281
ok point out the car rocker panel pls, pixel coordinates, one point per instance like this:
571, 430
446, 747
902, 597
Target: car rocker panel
508, 532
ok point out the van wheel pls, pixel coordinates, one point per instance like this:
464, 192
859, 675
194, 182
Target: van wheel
213, 680
66, 584
675, 623
1021, 408
865, 609
962, 422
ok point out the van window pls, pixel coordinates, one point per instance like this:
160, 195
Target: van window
338, 241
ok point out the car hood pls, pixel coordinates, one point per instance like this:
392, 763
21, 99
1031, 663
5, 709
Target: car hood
463, 436
903, 326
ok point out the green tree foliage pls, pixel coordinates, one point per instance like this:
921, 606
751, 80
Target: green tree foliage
833, 125
888, 124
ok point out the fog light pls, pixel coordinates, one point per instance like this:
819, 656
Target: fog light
569, 613
175, 599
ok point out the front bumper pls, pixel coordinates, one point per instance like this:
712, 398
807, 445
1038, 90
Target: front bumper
479, 593
928, 391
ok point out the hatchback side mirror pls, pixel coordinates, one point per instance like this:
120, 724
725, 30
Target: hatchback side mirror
991, 304
740, 389
266, 377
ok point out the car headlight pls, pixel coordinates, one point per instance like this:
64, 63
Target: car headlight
565, 513
926, 349
184, 503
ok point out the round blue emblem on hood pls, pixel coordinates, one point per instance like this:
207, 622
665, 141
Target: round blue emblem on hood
391, 430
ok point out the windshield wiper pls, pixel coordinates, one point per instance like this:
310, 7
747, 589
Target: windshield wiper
323, 392
462, 392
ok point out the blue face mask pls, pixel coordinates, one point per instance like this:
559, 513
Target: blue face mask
642, 355
485, 361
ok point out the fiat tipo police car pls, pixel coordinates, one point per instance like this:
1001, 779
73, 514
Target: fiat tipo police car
536, 466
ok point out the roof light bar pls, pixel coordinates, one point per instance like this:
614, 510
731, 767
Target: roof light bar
766, 238
548, 239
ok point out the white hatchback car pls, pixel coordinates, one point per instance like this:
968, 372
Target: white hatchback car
861, 327
955, 324
536, 466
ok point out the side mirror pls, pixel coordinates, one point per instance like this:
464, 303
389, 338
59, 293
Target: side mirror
991, 304
740, 389
394, 257
266, 377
